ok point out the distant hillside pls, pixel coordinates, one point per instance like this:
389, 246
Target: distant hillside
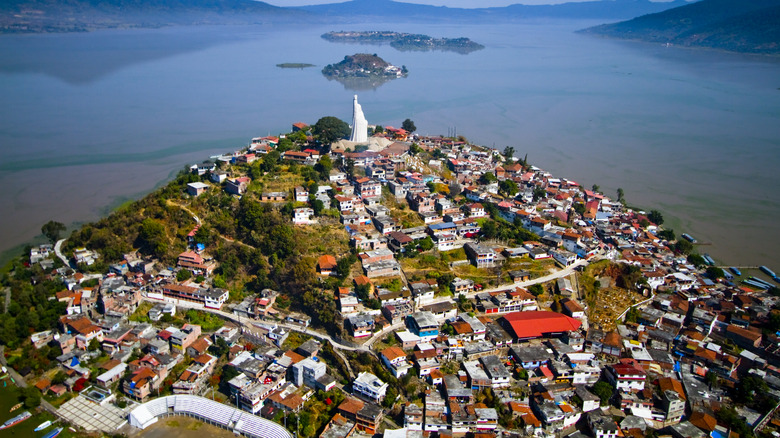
18, 16
734, 25
605, 9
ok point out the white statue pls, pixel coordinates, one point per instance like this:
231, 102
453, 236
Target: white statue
359, 124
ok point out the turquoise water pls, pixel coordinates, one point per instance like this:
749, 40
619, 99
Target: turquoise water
88, 120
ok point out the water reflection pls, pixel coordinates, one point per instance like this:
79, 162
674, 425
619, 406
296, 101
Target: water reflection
81, 58
361, 83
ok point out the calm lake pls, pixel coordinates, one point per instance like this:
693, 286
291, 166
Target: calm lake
88, 121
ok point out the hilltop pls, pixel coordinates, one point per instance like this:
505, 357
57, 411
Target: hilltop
732, 25
363, 65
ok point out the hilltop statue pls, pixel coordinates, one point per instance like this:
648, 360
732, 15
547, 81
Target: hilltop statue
359, 123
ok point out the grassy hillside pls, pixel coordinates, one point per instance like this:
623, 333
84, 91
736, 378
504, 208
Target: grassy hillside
733, 25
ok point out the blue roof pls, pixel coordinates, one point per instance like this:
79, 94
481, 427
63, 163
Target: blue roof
442, 226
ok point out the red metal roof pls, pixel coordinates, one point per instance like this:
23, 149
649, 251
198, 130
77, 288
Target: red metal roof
534, 324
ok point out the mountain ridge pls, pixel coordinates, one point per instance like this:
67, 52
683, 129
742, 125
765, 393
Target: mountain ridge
731, 25
37, 16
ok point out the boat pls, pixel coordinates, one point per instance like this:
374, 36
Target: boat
736, 271
688, 237
53, 433
16, 420
15, 407
43, 425
767, 271
708, 260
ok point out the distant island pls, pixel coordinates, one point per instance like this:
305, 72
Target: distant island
405, 41
730, 25
363, 65
300, 65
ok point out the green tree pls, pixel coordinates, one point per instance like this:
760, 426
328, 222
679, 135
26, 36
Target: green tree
323, 167
604, 391
349, 167
683, 247
696, 260
329, 129
595, 188
656, 217
415, 149
487, 178
620, 195
379, 129
714, 272
183, 275
508, 188
52, 230
509, 154
426, 244
408, 126
94, 345
153, 237
667, 234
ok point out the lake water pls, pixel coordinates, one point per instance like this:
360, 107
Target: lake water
88, 121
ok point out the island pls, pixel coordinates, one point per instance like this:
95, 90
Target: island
363, 71
300, 65
405, 41
308, 286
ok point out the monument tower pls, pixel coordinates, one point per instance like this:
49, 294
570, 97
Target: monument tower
359, 123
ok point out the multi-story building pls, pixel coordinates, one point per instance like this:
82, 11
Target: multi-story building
626, 375
369, 387
480, 255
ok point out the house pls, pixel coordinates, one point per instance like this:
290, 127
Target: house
273, 197
361, 325
572, 308
369, 387
141, 383
303, 216
480, 255
367, 416
423, 324
626, 375
395, 360
301, 194
237, 186
196, 188
326, 265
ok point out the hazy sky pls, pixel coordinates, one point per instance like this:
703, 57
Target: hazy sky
450, 3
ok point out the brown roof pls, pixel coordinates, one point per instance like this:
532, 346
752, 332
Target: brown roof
201, 345
668, 383
327, 262
109, 365
351, 406
294, 357
613, 339
43, 384
392, 353
703, 421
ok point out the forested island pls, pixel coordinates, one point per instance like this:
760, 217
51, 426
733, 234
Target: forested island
405, 41
364, 65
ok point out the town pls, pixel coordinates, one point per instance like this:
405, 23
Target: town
398, 286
